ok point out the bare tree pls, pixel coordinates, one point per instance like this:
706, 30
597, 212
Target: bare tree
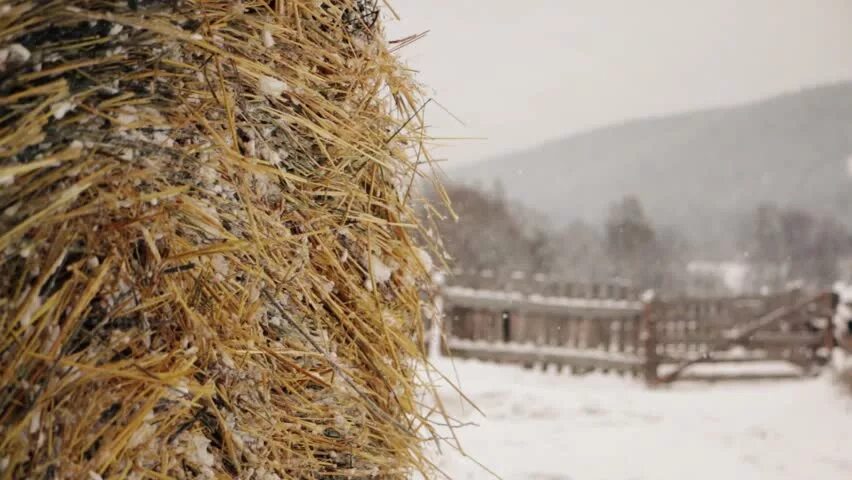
581, 254
632, 244
487, 235
791, 245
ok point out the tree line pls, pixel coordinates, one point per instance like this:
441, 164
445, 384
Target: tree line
780, 246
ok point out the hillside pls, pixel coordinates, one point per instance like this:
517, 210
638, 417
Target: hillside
695, 169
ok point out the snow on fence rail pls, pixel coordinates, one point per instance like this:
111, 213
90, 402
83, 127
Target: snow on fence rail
547, 322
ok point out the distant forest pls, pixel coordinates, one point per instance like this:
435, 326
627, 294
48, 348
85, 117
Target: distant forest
779, 247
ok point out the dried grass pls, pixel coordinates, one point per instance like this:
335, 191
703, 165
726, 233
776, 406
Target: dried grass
207, 260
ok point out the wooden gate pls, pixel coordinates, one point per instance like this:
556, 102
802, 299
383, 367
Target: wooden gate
793, 328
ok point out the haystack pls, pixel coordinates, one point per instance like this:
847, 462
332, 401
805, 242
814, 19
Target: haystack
207, 260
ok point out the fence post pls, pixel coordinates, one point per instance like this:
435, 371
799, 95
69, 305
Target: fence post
438, 329
651, 360
505, 326
831, 300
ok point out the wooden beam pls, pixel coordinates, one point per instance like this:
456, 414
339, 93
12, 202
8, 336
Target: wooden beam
740, 377
600, 308
757, 340
514, 354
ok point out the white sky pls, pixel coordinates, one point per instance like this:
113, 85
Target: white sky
522, 71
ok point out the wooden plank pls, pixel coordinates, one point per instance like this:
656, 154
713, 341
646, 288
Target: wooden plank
769, 357
590, 329
634, 333
516, 326
575, 329
476, 324
540, 329
564, 331
740, 377
571, 338
620, 330
589, 307
554, 330
604, 334
758, 340
462, 322
792, 340
649, 340
507, 354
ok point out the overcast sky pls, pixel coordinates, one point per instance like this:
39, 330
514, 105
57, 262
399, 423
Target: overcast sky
523, 71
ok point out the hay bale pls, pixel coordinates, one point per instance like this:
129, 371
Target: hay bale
207, 260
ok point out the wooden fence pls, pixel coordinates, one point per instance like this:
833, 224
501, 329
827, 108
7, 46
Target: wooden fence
583, 328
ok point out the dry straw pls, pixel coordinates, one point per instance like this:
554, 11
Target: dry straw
207, 260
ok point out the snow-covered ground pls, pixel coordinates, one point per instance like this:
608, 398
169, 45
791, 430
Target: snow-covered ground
548, 426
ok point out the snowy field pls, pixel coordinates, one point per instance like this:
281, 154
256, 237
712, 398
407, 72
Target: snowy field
548, 426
